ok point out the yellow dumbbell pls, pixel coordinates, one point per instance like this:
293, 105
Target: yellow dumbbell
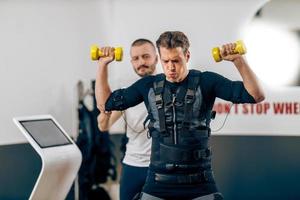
96, 53
240, 48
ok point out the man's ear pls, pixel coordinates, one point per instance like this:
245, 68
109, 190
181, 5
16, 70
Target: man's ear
156, 59
187, 55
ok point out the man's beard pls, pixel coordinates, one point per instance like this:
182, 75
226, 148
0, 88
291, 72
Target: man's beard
147, 72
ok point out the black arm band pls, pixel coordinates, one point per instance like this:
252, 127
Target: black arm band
116, 101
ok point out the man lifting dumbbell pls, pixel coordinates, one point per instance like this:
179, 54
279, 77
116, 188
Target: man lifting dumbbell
180, 103
239, 47
137, 156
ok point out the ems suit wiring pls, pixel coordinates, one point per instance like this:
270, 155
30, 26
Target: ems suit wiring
224, 121
215, 130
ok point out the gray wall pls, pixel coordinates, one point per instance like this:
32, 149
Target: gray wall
19, 169
257, 167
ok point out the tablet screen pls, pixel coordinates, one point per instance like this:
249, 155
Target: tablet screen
45, 132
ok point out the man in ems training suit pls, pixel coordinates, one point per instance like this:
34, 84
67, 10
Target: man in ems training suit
179, 104
137, 155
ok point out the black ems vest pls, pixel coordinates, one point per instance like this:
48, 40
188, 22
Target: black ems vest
179, 126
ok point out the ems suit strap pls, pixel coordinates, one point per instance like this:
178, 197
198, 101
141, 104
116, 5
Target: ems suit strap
200, 177
158, 87
189, 100
150, 125
174, 154
180, 96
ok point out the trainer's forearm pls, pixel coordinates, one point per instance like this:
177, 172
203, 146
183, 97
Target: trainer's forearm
250, 80
102, 88
106, 120
103, 121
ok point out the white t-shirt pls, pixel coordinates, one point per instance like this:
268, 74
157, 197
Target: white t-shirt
138, 148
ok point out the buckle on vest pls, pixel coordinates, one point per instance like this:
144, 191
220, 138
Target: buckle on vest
208, 175
202, 153
189, 98
158, 101
170, 166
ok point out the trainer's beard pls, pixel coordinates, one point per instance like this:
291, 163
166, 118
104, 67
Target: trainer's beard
146, 72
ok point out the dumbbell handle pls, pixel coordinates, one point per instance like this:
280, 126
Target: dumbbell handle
96, 53
240, 48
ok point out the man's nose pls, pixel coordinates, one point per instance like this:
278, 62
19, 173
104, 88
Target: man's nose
171, 65
141, 61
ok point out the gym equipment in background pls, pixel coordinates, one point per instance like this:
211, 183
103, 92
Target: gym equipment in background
99, 163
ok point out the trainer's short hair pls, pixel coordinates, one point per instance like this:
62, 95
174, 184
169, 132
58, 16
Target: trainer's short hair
141, 41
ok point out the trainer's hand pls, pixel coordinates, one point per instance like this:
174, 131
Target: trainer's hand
108, 55
227, 52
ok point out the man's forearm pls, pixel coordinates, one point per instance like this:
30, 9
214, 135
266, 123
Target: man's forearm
250, 80
102, 88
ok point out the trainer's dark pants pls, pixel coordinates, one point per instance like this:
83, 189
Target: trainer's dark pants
132, 181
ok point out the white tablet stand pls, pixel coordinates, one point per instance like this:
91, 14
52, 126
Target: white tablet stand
60, 156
